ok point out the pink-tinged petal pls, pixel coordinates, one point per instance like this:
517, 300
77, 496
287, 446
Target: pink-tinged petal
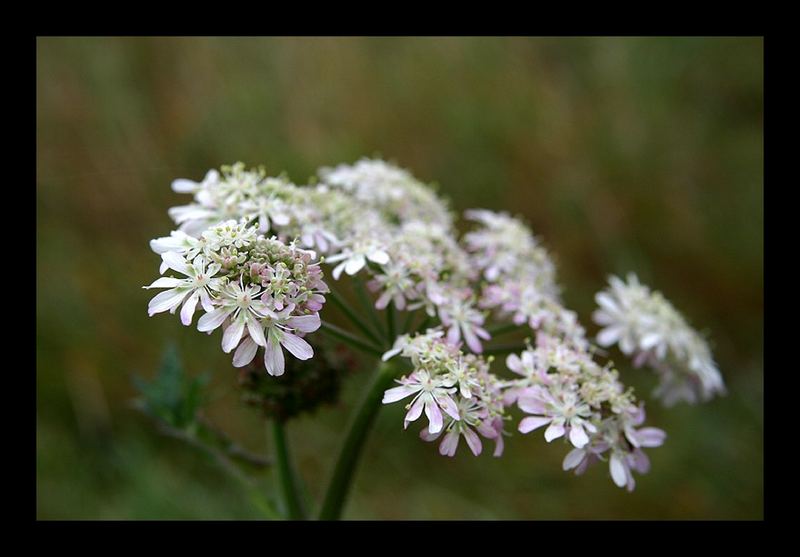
383, 300
486, 428
499, 445
299, 348
448, 405
573, 459
245, 353
639, 461
514, 363
414, 412
426, 435
187, 311
211, 321
609, 336
531, 404
398, 393
167, 300
483, 333
256, 330
578, 437
305, 323
165, 282
553, 432
273, 357
453, 335
435, 421
472, 341
354, 265
651, 437
473, 441
449, 443
232, 335
619, 471
177, 262
526, 425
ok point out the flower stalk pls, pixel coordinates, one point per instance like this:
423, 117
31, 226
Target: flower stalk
353, 443
287, 477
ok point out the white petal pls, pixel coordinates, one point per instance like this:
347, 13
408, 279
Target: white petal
337, 271
245, 353
398, 393
609, 336
473, 441
182, 185
211, 321
299, 348
379, 256
256, 331
354, 264
305, 323
618, 472
167, 300
435, 422
578, 436
187, 311
553, 432
606, 301
528, 424
166, 282
573, 459
233, 334
273, 357
177, 262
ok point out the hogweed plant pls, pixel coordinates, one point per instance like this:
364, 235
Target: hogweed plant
260, 257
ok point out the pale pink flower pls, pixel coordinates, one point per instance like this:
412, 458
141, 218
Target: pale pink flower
431, 394
563, 413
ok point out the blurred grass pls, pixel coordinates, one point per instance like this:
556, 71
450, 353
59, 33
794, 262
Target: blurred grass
623, 154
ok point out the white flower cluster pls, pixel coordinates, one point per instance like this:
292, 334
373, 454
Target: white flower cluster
243, 246
450, 386
564, 389
520, 276
652, 332
262, 291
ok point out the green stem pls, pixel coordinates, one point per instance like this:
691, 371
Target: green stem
391, 334
351, 315
286, 473
502, 329
350, 339
408, 322
354, 442
424, 325
501, 349
367, 304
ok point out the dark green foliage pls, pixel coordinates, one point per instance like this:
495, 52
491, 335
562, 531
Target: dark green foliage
172, 396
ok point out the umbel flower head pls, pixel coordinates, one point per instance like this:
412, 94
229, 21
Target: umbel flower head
652, 332
245, 255
261, 291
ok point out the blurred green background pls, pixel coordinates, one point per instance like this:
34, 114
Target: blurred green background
623, 154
